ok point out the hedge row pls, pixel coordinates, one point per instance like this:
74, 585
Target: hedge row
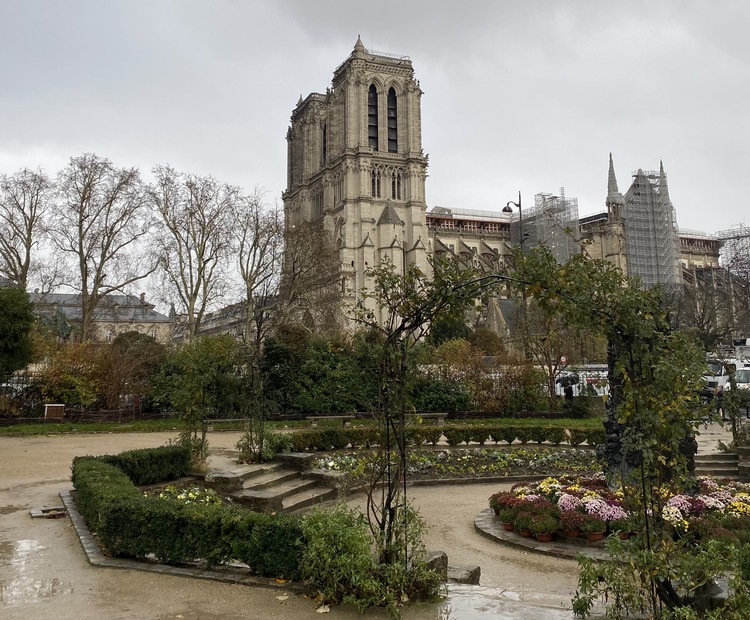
130, 524
494, 433
338, 438
152, 465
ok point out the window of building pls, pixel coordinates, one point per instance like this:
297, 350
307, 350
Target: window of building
325, 145
372, 117
317, 203
392, 122
375, 179
396, 185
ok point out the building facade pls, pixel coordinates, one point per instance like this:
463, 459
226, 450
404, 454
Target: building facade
115, 314
355, 161
356, 164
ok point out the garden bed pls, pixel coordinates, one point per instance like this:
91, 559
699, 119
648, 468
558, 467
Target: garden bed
459, 463
576, 507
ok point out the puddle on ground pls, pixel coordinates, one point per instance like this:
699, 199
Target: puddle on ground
21, 586
478, 602
6, 510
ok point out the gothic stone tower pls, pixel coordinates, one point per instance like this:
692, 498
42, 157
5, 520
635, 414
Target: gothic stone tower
355, 161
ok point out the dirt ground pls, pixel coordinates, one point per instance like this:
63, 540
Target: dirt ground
45, 574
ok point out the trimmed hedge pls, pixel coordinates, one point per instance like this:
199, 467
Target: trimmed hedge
130, 524
311, 440
152, 465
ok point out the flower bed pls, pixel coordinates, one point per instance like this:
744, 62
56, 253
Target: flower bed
469, 462
719, 508
185, 494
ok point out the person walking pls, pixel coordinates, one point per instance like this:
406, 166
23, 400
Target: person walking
719, 396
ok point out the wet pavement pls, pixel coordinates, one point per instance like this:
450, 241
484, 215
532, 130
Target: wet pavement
44, 572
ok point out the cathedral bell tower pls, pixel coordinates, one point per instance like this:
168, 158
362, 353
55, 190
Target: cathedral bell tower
355, 161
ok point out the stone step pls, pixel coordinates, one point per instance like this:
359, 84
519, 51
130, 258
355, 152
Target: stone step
726, 457
300, 502
716, 472
271, 479
254, 470
285, 489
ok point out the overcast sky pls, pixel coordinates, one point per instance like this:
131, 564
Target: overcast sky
525, 95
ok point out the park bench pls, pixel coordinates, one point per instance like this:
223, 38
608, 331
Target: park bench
314, 419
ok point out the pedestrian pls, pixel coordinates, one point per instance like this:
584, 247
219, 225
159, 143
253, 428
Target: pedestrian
719, 396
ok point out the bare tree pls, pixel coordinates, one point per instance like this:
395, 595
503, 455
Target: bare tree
24, 201
194, 238
257, 243
99, 222
310, 278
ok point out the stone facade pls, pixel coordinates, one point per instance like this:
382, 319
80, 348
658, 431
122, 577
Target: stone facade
355, 160
115, 315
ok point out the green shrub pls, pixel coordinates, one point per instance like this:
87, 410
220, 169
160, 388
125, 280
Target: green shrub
479, 433
456, 434
524, 433
594, 437
577, 436
508, 434
303, 441
130, 524
151, 465
275, 546
99, 485
555, 434
332, 439
337, 563
538, 434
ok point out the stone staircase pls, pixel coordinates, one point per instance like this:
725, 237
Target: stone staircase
272, 487
723, 465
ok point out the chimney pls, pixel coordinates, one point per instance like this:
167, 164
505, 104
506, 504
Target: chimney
143, 298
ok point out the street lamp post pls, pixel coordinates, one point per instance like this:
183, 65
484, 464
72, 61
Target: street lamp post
508, 209
524, 324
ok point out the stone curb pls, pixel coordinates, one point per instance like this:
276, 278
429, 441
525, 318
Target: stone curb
487, 524
235, 575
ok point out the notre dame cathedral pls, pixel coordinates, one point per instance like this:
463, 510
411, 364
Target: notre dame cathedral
356, 164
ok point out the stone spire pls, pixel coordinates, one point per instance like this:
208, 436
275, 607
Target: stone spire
612, 180
615, 200
359, 46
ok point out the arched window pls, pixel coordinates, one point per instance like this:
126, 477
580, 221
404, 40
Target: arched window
325, 145
372, 117
392, 122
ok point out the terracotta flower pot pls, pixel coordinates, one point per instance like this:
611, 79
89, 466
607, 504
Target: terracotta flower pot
623, 535
573, 534
546, 537
508, 527
594, 536
525, 533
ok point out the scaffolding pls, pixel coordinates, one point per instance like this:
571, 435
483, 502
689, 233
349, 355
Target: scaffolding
551, 222
652, 243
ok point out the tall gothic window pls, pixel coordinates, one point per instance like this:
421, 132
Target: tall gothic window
325, 145
392, 122
372, 117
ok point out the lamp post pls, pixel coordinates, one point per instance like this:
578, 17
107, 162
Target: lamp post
508, 209
524, 324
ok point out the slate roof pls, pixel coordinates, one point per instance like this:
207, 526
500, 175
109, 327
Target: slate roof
113, 307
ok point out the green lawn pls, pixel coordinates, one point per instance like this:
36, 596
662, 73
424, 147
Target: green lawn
175, 424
